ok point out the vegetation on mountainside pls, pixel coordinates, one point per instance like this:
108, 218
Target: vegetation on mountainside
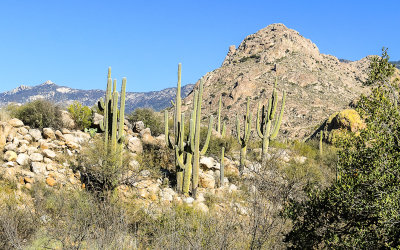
150, 118
38, 114
362, 208
82, 115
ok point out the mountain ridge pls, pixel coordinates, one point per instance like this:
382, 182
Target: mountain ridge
158, 100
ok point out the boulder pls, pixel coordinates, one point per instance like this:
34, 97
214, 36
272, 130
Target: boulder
10, 156
206, 180
36, 134
38, 168
23, 131
138, 126
16, 123
11, 147
36, 157
48, 133
5, 129
135, 145
147, 138
50, 181
49, 153
97, 119
209, 163
23, 159
66, 120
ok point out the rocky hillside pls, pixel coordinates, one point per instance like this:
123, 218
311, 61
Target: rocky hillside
316, 84
157, 100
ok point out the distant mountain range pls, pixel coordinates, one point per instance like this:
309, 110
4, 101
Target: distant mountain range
158, 100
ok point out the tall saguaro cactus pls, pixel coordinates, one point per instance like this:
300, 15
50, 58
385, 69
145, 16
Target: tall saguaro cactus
265, 115
189, 145
113, 121
178, 144
243, 141
221, 132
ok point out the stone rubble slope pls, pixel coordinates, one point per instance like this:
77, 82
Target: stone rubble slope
31, 156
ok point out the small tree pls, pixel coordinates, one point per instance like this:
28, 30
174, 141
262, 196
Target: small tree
82, 115
362, 208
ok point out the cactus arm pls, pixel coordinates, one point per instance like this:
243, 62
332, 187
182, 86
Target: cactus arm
259, 121
114, 123
187, 174
278, 122
166, 131
107, 111
181, 132
191, 135
172, 103
100, 104
274, 104
238, 130
122, 110
205, 146
223, 129
101, 126
179, 159
247, 135
196, 160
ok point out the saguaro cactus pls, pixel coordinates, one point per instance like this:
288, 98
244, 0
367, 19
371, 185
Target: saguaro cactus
113, 121
243, 141
265, 115
178, 144
190, 145
223, 131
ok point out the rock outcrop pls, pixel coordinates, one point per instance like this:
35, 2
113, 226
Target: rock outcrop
317, 85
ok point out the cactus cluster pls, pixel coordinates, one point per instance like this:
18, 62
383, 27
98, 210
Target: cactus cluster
187, 148
265, 115
113, 121
244, 140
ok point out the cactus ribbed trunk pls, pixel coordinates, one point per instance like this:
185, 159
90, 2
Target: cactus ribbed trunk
265, 115
243, 141
196, 160
113, 120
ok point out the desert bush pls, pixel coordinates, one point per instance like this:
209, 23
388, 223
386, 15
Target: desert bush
18, 224
155, 158
151, 119
216, 143
100, 170
183, 227
82, 115
78, 220
360, 209
39, 114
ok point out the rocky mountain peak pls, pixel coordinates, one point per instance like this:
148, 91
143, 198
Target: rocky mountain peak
48, 82
316, 84
17, 89
270, 44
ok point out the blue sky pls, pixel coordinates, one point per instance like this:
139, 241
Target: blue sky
73, 42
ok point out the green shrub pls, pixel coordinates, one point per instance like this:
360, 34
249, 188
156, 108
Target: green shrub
151, 120
101, 171
39, 114
82, 115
